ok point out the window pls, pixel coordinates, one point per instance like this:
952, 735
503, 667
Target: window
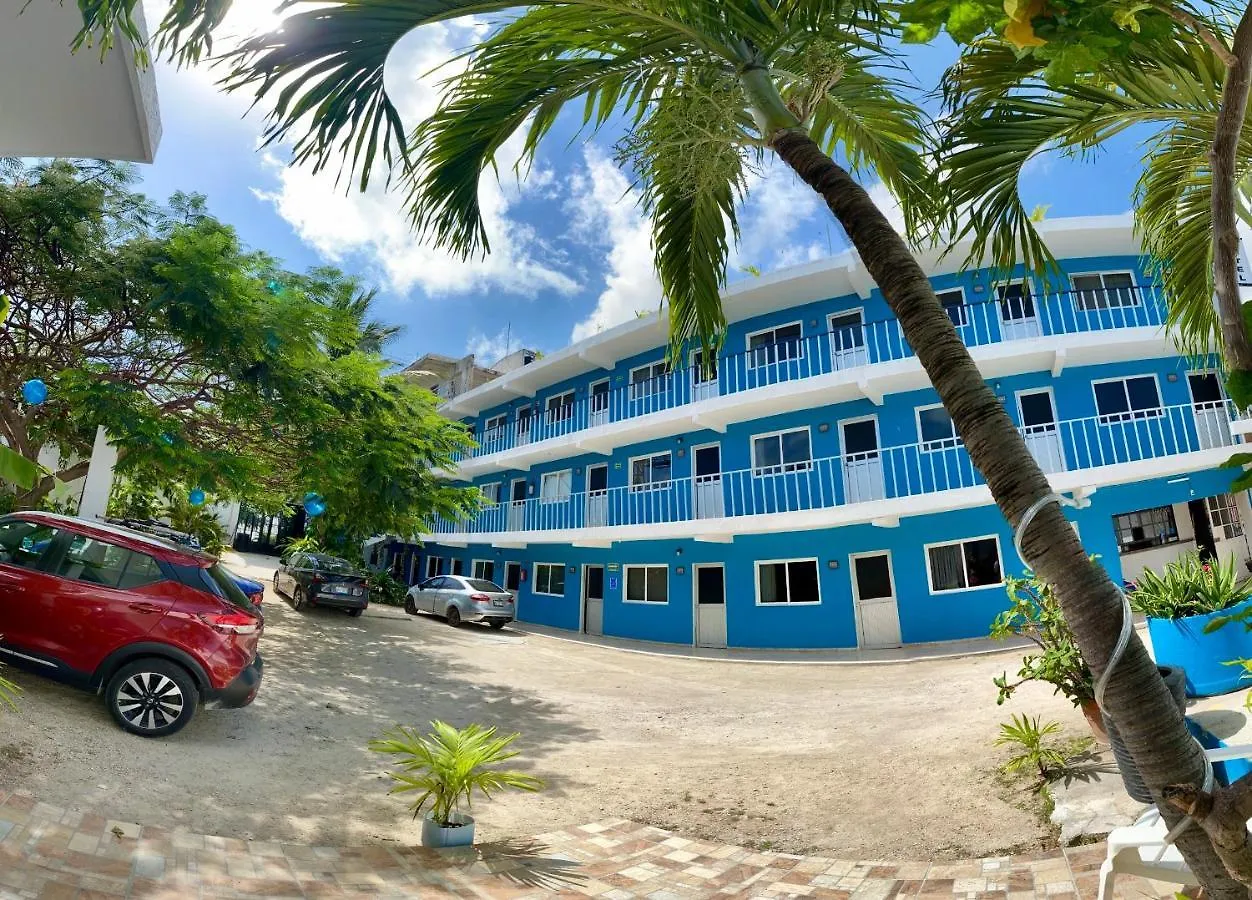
434, 566
430, 584
1124, 399
458, 567
513, 576
788, 581
108, 565
647, 584
647, 381
555, 487
491, 493
971, 563
650, 473
775, 345
1224, 516
486, 585
24, 543
786, 451
484, 569
496, 424
847, 331
1145, 528
550, 579
953, 303
561, 407
935, 427
1104, 290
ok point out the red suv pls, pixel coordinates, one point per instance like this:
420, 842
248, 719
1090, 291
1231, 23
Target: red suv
155, 627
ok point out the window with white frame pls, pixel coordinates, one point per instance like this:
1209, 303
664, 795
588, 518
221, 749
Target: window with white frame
935, 428
561, 407
650, 473
647, 584
953, 303
550, 579
776, 345
784, 451
484, 569
649, 380
787, 581
1145, 528
495, 425
1125, 399
959, 565
490, 492
556, 486
1104, 290
434, 566
1224, 516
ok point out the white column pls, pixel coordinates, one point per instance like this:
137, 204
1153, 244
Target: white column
99, 478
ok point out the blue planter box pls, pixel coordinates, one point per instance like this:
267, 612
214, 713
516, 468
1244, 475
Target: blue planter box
1182, 642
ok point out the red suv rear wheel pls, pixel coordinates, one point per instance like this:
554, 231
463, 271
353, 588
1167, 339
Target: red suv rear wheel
152, 697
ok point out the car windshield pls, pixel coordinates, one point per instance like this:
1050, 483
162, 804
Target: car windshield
489, 587
332, 564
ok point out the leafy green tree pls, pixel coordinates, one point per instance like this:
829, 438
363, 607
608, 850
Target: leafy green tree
703, 87
206, 363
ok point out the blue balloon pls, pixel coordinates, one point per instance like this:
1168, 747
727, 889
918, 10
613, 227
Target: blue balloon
274, 286
34, 392
167, 439
315, 508
312, 496
196, 497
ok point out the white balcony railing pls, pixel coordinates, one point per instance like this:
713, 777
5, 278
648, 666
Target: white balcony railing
847, 347
886, 473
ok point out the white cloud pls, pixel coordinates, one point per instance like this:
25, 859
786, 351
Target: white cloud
605, 213
778, 206
489, 349
888, 205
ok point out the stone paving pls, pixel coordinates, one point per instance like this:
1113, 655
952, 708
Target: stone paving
51, 853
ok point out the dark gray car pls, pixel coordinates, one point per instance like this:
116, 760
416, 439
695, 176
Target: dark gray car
459, 599
318, 579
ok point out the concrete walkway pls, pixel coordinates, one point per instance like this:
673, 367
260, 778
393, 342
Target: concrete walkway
49, 853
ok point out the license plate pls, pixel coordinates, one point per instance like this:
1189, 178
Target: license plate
497, 603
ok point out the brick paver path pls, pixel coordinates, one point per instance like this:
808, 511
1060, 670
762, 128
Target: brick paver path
59, 854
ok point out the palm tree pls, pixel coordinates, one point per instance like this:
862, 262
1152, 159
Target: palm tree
705, 87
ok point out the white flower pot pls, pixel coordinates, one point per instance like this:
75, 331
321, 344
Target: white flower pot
460, 833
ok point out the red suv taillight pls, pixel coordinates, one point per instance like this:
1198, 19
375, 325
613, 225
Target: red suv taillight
258, 598
480, 598
233, 623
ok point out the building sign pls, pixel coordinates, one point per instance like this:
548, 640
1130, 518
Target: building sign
613, 582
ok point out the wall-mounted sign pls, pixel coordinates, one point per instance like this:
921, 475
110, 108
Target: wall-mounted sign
613, 582
614, 567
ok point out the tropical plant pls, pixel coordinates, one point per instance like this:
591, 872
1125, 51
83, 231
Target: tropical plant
1036, 615
132, 499
8, 694
1189, 586
306, 544
703, 88
1032, 751
446, 767
386, 589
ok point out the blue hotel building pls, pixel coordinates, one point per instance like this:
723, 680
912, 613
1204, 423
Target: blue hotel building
811, 492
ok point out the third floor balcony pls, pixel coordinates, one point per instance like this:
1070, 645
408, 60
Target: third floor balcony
783, 368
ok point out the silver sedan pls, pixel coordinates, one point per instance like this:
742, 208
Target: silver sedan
459, 599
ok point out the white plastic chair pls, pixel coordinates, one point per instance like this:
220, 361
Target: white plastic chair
1133, 849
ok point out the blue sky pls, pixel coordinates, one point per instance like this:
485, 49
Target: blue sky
571, 252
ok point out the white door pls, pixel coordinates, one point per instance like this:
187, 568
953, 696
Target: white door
523, 427
1018, 317
1212, 425
707, 484
703, 383
593, 599
847, 340
599, 414
517, 506
710, 606
877, 618
597, 496
1040, 429
862, 463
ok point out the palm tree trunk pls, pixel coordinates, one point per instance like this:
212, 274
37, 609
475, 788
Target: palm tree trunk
1136, 697
1223, 156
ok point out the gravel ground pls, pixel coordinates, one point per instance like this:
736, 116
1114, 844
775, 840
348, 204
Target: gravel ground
882, 762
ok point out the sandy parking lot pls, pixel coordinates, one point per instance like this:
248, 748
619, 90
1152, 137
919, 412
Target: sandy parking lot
885, 761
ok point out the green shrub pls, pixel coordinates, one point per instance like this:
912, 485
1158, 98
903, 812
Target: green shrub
306, 544
1027, 736
1036, 616
1188, 586
386, 589
448, 766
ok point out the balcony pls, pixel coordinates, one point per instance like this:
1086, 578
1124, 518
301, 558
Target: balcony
1019, 331
877, 486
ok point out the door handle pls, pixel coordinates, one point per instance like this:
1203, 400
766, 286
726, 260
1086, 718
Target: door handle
145, 607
